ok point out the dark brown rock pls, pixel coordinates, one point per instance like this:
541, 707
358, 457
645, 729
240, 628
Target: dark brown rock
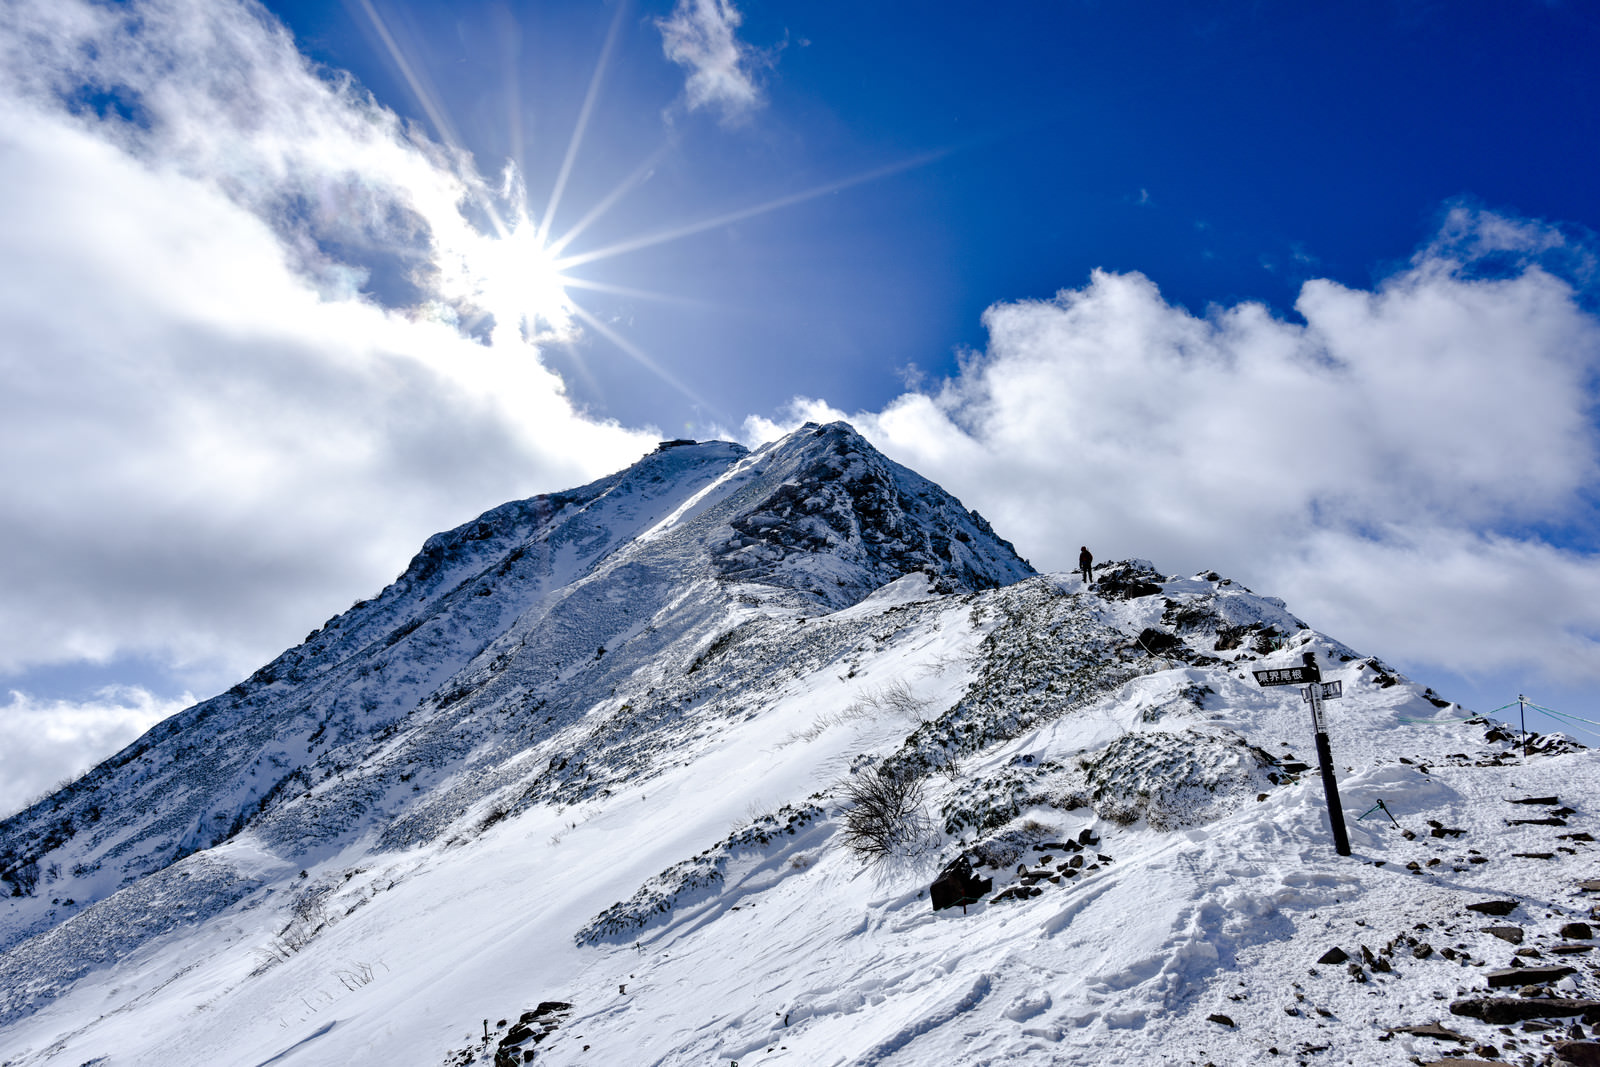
1334, 955
1548, 801
1521, 976
1433, 1030
1512, 934
1493, 907
1501, 1011
1219, 1018
1571, 949
1577, 932
1578, 1053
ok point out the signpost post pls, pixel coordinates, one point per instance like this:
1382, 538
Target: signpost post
1315, 693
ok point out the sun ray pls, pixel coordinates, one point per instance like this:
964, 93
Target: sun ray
641, 294
690, 229
583, 121
624, 187
638, 354
430, 106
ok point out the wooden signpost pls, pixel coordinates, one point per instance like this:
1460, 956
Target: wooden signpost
1314, 693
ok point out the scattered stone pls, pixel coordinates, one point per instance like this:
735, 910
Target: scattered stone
1456, 1061
1512, 934
1334, 955
1496, 908
1575, 837
1570, 949
1590, 885
1445, 831
1535, 855
1422, 951
1356, 972
1217, 1017
1521, 976
1548, 801
1577, 932
1536, 822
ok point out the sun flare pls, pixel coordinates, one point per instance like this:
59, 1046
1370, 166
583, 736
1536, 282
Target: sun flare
517, 280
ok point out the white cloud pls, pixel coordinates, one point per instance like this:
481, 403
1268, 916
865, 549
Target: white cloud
701, 35
1379, 465
211, 442
44, 743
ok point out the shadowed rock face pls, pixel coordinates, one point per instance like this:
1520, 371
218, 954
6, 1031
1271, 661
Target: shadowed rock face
835, 498
397, 715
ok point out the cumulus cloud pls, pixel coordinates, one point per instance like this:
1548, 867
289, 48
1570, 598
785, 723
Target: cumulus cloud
701, 35
1409, 466
216, 432
44, 743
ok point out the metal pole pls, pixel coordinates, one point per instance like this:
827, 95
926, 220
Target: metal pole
1330, 787
1522, 717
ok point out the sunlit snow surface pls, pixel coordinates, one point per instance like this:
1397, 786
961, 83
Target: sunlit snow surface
470, 799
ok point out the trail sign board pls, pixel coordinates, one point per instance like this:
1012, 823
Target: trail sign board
1330, 691
1285, 676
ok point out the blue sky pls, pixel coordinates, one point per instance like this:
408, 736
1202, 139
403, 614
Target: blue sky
1228, 151
1302, 293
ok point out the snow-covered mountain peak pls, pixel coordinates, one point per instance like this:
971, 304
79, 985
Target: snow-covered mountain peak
584, 784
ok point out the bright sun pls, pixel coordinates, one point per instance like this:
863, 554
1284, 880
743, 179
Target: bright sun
519, 283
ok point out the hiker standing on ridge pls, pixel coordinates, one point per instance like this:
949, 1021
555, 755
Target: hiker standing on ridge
1086, 564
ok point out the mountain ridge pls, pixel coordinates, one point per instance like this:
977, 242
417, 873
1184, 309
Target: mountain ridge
595, 750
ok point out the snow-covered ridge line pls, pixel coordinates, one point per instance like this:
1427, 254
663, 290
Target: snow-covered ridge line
556, 763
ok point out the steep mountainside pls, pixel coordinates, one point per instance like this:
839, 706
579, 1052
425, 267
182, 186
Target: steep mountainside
577, 788
496, 638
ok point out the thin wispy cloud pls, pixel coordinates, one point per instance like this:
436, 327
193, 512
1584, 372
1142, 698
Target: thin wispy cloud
702, 36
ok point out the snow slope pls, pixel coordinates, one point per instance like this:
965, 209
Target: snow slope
588, 753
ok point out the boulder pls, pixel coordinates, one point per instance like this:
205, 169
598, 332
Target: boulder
1502, 1011
1493, 907
1521, 976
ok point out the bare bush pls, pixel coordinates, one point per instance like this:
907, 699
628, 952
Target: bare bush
897, 698
886, 817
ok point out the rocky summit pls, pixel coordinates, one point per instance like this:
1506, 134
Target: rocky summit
664, 769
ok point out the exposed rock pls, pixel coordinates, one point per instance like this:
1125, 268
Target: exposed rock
1219, 1018
1578, 1053
1577, 932
1512, 934
1494, 907
1433, 1030
1334, 955
1500, 1011
1520, 976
